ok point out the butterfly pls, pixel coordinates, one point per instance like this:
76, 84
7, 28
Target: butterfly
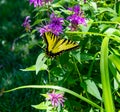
57, 45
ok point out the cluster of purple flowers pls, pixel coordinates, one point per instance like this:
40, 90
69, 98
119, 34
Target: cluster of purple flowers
76, 18
55, 24
39, 2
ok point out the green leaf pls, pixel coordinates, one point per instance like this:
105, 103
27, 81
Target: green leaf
112, 31
110, 10
45, 95
38, 21
116, 85
31, 68
40, 63
92, 89
86, 57
116, 61
89, 24
105, 78
24, 35
77, 55
66, 11
116, 52
116, 19
41, 106
115, 74
91, 110
57, 5
94, 5
112, 68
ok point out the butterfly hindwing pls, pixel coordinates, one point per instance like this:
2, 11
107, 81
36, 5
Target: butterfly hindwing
56, 45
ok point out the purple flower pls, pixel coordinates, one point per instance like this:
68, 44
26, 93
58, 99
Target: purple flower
76, 9
56, 99
55, 25
36, 2
75, 21
26, 23
39, 2
76, 18
44, 29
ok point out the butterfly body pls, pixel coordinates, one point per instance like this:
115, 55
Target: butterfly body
57, 45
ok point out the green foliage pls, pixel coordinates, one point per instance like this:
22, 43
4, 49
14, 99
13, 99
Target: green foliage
89, 76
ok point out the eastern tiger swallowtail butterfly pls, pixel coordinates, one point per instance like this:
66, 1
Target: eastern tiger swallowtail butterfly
56, 45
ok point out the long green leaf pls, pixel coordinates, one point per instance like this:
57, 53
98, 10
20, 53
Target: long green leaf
107, 95
58, 88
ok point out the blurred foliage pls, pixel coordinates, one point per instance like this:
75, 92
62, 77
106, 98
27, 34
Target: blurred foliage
16, 53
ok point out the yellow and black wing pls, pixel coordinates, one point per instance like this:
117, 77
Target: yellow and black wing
56, 45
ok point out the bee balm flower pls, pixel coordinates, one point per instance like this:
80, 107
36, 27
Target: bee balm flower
56, 99
76, 18
55, 25
26, 23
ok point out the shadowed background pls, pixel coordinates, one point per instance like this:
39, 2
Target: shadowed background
15, 54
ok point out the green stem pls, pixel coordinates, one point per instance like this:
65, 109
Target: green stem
81, 80
113, 37
107, 95
78, 72
91, 66
89, 33
106, 22
58, 88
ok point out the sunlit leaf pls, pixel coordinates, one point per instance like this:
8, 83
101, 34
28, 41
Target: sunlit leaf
40, 62
110, 10
93, 89
31, 68
41, 106
94, 5
116, 85
45, 95
116, 19
56, 5
113, 31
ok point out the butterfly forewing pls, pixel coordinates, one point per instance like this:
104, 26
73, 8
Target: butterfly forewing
50, 40
56, 45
